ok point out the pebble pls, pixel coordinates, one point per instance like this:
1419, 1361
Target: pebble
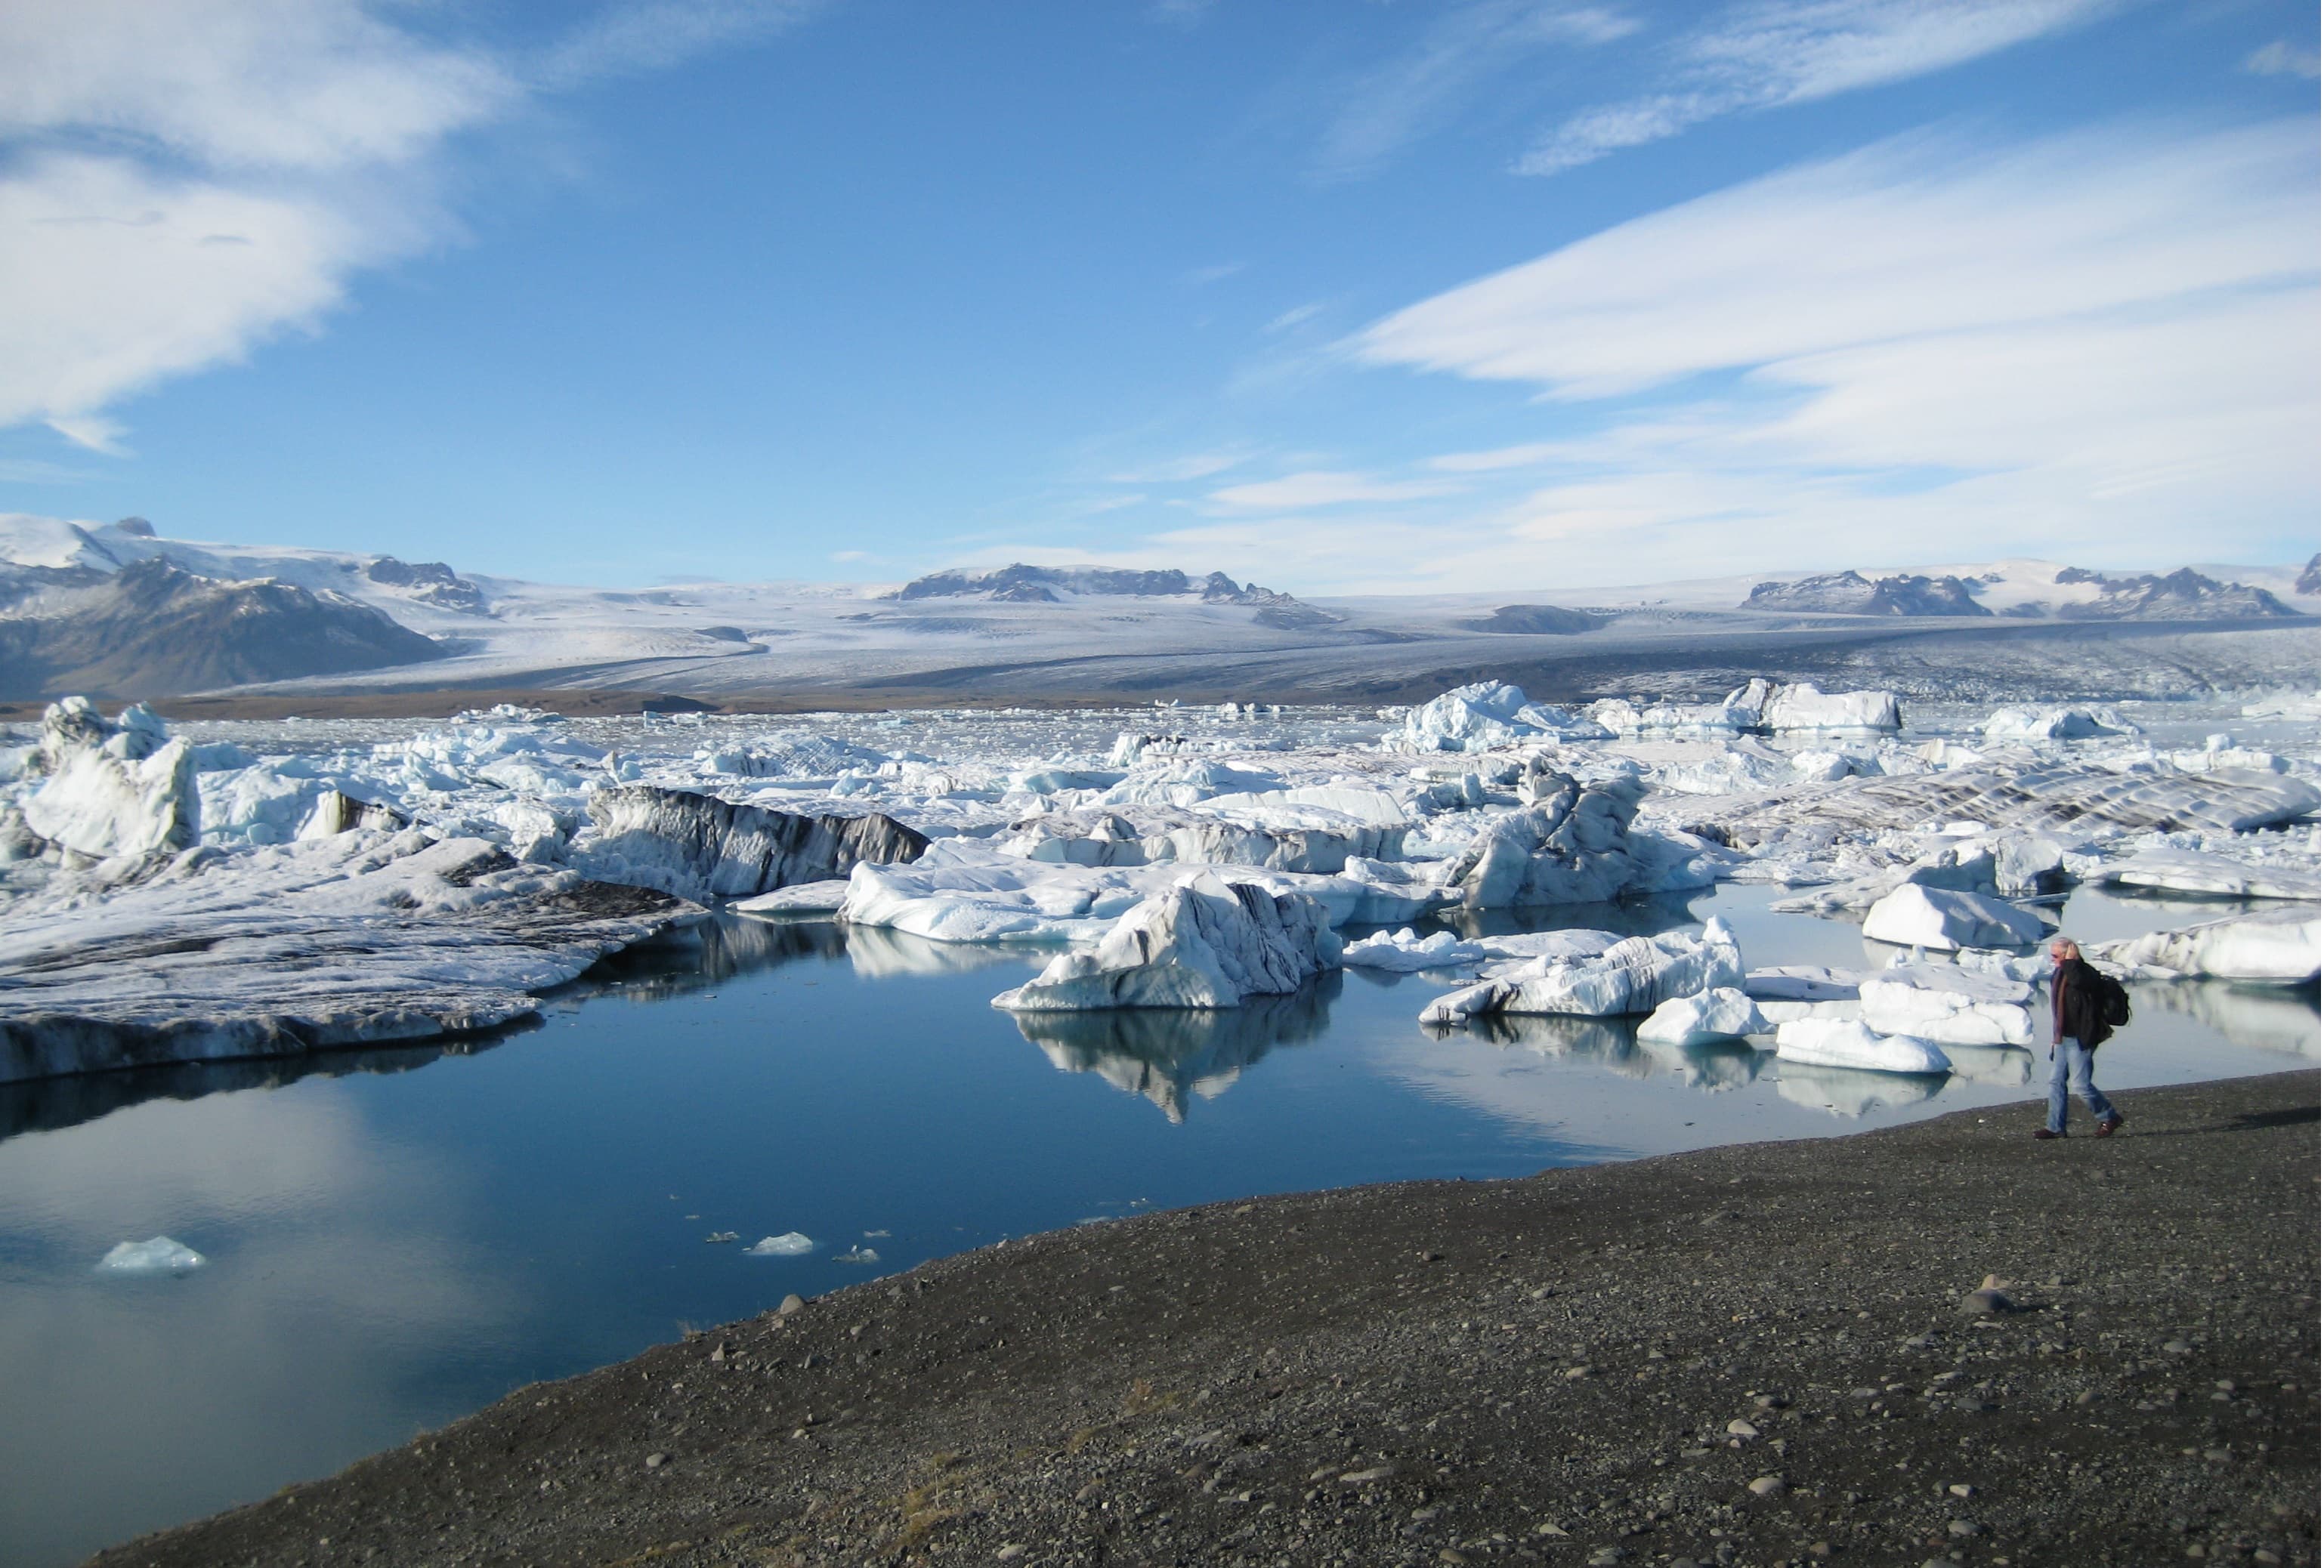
1577, 1371
1964, 1529
1452, 1555
2177, 1347
656, 1461
790, 1303
1961, 1489
1987, 1302
1366, 1477
1009, 1553
1767, 1486
1739, 1427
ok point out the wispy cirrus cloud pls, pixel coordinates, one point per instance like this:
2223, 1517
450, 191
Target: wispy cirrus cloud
1323, 488
181, 183
1772, 52
2282, 58
1412, 94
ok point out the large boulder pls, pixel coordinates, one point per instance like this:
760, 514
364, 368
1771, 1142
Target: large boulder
1203, 943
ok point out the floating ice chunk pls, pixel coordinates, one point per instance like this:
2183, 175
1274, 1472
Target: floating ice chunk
1479, 718
2197, 874
1578, 943
1946, 919
1185, 783
2276, 946
1203, 943
2055, 724
802, 898
1721, 1013
1804, 706
856, 1255
699, 846
1949, 1005
1802, 983
160, 1255
1836, 1043
117, 788
1634, 975
1314, 805
789, 1244
1403, 952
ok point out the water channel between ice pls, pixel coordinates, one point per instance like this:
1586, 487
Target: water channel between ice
396, 1238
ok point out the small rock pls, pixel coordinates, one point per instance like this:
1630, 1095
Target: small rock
2177, 1347
1009, 1553
1961, 1489
1964, 1529
1547, 1528
656, 1461
1577, 1371
1986, 1302
1739, 1427
1452, 1555
1767, 1486
1366, 1477
790, 1303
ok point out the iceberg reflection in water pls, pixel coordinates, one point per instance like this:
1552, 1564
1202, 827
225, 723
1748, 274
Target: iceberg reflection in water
1847, 1091
1167, 1053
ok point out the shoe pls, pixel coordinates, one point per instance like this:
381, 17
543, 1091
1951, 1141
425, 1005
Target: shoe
2045, 1133
2107, 1127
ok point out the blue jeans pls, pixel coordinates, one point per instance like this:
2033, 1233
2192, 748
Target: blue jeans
2072, 1056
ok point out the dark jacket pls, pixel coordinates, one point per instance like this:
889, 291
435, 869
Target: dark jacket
2077, 1004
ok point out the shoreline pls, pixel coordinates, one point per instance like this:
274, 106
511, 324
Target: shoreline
1433, 1373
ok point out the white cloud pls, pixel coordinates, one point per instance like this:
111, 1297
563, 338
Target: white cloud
1195, 466
1772, 52
1317, 488
180, 183
1296, 315
2282, 58
1411, 96
2100, 346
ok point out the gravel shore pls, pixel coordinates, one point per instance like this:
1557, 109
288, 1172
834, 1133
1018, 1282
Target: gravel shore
1751, 1355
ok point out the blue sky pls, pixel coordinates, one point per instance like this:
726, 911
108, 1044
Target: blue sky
1356, 295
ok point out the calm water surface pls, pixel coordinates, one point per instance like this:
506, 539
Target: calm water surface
402, 1237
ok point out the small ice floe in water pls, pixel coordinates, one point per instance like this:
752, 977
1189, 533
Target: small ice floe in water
716, 1236
869, 1234
857, 1255
789, 1244
159, 1256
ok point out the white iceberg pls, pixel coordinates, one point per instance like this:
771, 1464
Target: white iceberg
2194, 873
1801, 705
789, 1244
1481, 717
114, 788
1634, 975
1802, 983
1723, 1013
2055, 724
1402, 952
2275, 947
1949, 1005
1203, 943
1946, 919
161, 1255
1839, 1044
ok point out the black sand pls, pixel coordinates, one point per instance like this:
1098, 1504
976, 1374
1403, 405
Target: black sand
1744, 1355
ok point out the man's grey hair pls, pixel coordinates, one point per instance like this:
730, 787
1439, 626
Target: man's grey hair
2065, 947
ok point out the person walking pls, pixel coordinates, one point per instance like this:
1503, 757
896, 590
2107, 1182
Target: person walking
2081, 1002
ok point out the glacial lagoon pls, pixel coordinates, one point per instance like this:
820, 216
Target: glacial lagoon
394, 1238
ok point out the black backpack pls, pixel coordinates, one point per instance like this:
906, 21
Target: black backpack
2114, 1002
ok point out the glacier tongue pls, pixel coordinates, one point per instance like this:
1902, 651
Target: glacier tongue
1203, 943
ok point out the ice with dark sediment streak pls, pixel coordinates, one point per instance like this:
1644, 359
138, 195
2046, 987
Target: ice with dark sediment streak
276, 951
1635, 975
112, 787
1948, 918
700, 846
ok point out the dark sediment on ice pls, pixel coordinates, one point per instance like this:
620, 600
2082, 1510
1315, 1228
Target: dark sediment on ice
1754, 1354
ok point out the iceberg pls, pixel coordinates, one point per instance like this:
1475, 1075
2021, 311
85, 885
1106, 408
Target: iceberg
1402, 952
161, 1255
2275, 947
789, 1244
1833, 1042
1482, 717
700, 846
1801, 705
114, 788
1948, 1005
2054, 724
1723, 1013
2194, 873
1947, 919
1634, 975
1203, 943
